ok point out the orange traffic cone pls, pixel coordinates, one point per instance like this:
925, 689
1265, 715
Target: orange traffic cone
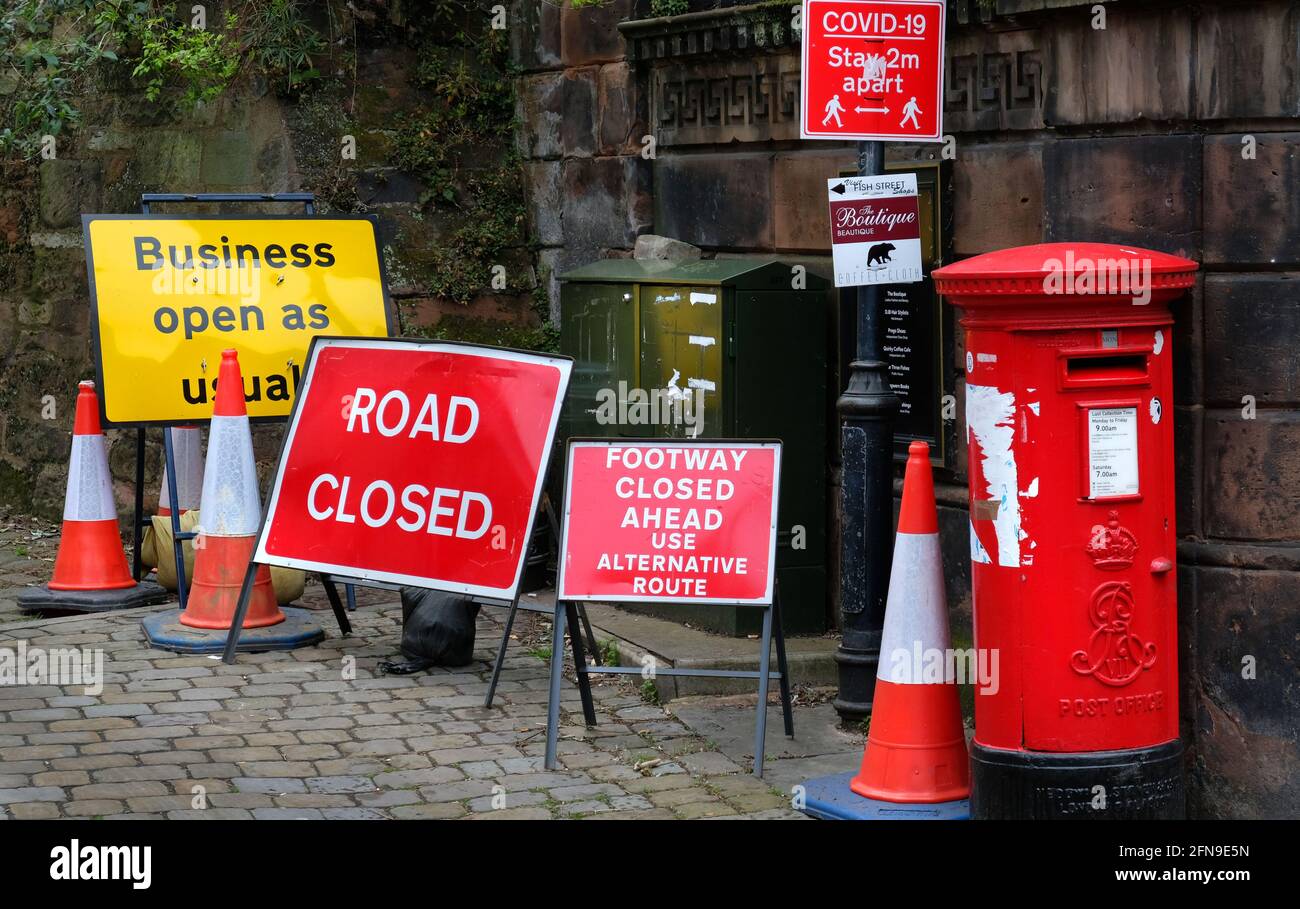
230, 517
90, 551
90, 570
187, 454
916, 747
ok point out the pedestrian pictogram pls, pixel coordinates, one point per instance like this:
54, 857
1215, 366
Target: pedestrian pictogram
873, 70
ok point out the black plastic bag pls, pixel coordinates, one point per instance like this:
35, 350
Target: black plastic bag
437, 630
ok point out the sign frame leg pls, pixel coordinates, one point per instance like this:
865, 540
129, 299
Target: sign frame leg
764, 666
553, 518
241, 613
178, 538
782, 664
336, 604
557, 677
137, 529
501, 651
591, 635
580, 663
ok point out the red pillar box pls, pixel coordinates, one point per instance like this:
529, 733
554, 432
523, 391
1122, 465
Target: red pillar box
1069, 431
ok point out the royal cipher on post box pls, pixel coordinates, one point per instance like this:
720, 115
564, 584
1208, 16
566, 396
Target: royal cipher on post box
1070, 450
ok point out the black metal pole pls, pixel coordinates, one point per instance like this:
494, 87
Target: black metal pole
867, 410
178, 538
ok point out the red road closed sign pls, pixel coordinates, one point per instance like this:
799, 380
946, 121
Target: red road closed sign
662, 520
415, 463
873, 70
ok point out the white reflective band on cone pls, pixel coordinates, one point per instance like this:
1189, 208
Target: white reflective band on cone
187, 452
90, 490
232, 506
916, 613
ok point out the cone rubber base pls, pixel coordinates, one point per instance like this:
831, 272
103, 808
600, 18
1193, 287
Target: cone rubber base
829, 798
1141, 784
40, 599
90, 558
164, 631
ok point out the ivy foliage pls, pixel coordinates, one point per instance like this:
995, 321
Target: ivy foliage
53, 51
668, 7
41, 67
201, 61
460, 145
472, 100
657, 7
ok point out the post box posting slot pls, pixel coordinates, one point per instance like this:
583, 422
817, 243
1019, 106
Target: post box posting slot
1105, 367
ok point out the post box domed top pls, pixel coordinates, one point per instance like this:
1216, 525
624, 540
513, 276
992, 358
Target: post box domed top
1047, 271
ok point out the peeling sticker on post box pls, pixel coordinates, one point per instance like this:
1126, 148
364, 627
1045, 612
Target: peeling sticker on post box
990, 419
1112, 452
706, 299
977, 551
986, 510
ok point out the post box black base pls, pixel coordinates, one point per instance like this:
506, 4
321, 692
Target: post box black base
1137, 784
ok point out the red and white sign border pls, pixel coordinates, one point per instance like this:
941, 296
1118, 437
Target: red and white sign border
806, 133
765, 600
319, 343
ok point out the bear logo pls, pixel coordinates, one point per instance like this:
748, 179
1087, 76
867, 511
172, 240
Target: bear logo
879, 253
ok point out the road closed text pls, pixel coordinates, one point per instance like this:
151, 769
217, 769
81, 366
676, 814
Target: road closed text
414, 507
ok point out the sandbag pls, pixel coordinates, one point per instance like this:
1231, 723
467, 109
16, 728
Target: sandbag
157, 552
289, 583
437, 630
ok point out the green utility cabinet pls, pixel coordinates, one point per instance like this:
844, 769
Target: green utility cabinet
758, 349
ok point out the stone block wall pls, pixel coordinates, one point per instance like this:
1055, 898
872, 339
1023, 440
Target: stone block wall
1131, 134
583, 121
250, 139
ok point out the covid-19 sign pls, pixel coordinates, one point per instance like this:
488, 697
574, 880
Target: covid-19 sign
170, 292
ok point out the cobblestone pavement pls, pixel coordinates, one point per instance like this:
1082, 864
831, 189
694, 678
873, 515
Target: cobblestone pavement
290, 735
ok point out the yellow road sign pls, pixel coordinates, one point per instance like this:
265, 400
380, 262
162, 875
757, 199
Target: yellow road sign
170, 292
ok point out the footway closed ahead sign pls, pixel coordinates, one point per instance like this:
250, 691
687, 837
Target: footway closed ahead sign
670, 521
415, 462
